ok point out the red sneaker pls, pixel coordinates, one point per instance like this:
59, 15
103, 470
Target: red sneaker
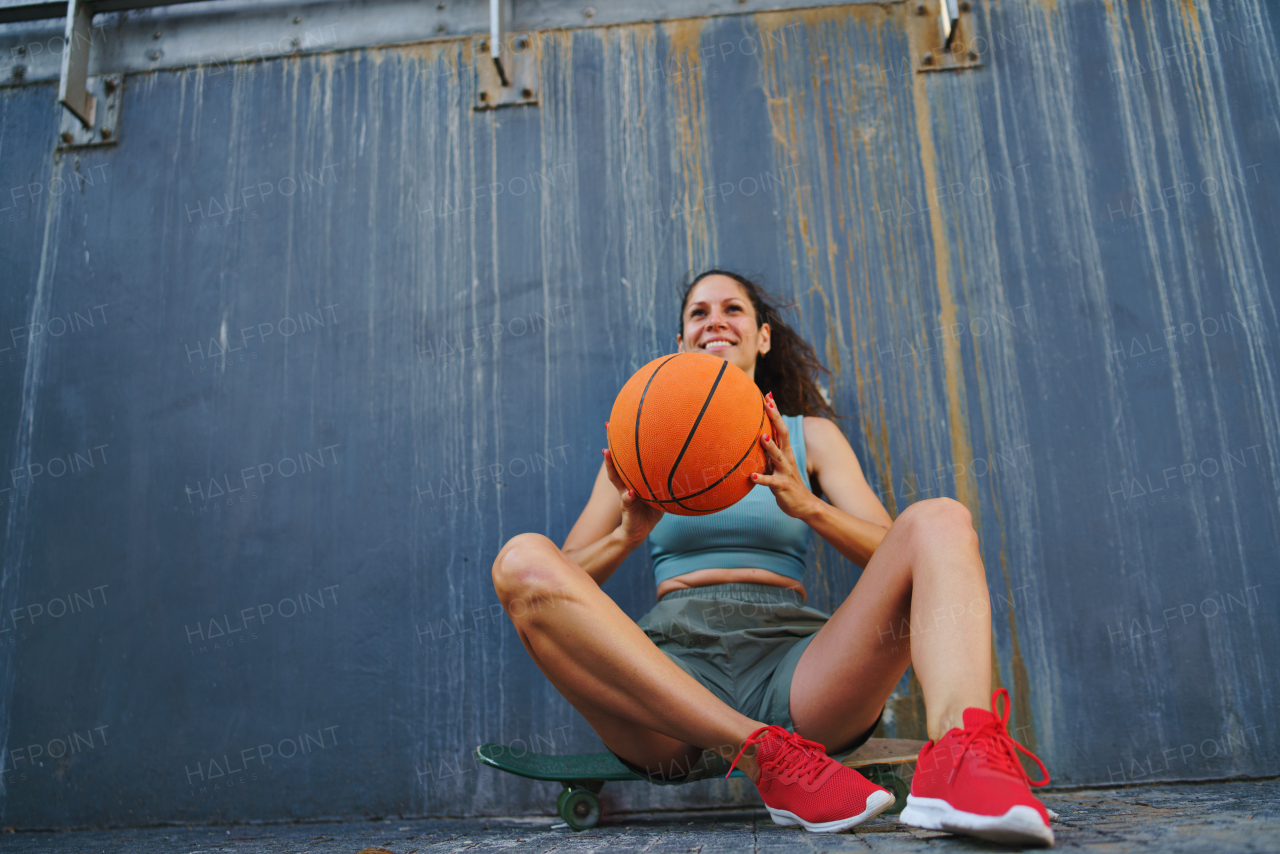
801, 784
970, 781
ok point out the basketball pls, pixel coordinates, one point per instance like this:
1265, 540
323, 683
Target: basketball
684, 433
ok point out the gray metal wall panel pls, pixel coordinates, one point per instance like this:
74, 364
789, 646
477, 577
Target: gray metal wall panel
800, 161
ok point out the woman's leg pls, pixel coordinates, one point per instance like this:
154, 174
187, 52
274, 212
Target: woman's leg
643, 705
921, 600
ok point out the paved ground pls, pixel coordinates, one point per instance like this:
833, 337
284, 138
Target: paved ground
1218, 817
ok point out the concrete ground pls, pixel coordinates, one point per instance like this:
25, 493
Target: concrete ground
1215, 817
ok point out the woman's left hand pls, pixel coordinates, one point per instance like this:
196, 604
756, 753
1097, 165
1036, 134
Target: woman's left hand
783, 473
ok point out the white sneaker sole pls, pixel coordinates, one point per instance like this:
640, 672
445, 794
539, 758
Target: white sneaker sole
877, 802
1021, 825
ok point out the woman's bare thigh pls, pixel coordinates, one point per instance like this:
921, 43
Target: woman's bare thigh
854, 662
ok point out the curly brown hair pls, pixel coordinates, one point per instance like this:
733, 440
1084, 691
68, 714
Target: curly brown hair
791, 368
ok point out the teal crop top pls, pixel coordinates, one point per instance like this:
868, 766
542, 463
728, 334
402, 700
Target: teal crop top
754, 533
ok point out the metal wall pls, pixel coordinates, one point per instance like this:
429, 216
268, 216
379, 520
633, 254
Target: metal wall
284, 368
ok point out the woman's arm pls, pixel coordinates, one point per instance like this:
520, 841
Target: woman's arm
612, 524
852, 519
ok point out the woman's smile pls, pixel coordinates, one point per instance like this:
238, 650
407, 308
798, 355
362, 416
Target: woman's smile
716, 343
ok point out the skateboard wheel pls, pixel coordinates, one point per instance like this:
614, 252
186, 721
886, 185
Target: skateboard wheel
580, 808
883, 776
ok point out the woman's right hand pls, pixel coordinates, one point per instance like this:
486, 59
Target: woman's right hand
638, 517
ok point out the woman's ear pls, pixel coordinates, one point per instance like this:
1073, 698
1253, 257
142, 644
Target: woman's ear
766, 342
679, 343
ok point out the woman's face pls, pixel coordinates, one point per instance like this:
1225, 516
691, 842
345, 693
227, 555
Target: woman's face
720, 319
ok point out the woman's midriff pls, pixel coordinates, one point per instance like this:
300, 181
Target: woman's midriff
704, 577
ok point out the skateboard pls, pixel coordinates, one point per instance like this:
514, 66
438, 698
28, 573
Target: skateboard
583, 775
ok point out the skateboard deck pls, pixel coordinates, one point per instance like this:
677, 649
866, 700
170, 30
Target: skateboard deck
584, 774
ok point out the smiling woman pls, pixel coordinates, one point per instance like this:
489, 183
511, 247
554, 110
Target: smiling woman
730, 658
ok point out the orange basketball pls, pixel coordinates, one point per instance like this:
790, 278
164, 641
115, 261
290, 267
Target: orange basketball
684, 433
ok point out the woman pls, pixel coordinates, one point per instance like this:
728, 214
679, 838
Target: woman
731, 659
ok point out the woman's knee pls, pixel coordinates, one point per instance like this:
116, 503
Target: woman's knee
527, 568
937, 521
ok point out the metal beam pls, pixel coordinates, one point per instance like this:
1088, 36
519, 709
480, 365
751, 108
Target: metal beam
11, 11
22, 10
72, 93
948, 15
218, 32
499, 16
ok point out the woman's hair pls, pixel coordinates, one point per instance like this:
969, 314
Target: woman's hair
791, 368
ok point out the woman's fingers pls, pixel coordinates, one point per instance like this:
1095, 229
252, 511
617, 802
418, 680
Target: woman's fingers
771, 449
775, 417
779, 426
628, 496
775, 462
779, 461
612, 472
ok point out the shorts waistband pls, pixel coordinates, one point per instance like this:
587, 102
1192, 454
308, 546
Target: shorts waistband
761, 594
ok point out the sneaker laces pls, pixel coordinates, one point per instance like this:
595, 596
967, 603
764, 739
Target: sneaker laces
797, 756
1001, 750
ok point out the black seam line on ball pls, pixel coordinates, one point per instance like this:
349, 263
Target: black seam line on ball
692, 510
671, 475
726, 475
640, 409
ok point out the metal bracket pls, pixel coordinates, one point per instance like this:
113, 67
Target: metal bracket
942, 36
104, 128
510, 77
519, 67
92, 114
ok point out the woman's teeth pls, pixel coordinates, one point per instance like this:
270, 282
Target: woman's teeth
716, 345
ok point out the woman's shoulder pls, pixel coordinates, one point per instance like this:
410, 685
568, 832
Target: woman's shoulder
821, 436
818, 428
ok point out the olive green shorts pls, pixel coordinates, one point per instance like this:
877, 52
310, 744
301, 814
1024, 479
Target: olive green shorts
742, 641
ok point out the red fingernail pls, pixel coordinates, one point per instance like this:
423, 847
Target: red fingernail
755, 476
766, 437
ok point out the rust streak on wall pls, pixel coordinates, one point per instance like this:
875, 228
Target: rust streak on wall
783, 119
961, 446
691, 153
799, 134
